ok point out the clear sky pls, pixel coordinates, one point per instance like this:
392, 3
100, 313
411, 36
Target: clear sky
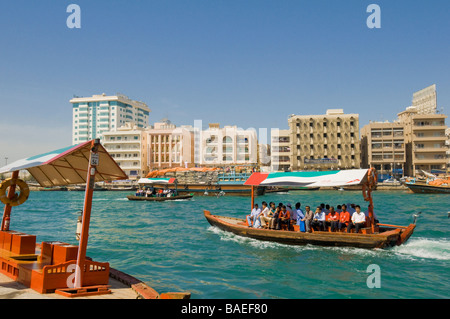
248, 63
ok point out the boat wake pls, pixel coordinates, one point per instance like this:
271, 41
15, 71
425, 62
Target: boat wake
260, 244
425, 248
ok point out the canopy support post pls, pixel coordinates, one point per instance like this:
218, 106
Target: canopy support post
90, 183
7, 210
253, 196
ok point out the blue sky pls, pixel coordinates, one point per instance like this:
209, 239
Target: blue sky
248, 63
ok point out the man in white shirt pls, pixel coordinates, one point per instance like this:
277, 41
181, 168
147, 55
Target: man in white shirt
358, 220
251, 219
264, 216
319, 219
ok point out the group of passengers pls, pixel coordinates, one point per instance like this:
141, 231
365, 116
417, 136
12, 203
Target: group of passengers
345, 216
152, 192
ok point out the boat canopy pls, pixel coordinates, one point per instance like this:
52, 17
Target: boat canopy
156, 180
309, 179
67, 166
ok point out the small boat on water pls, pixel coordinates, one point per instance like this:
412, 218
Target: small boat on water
230, 184
158, 199
373, 235
429, 187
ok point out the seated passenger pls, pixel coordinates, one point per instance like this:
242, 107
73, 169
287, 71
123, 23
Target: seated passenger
332, 219
284, 218
251, 219
148, 193
344, 218
273, 221
318, 221
358, 220
264, 216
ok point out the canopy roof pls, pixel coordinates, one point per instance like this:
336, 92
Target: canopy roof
156, 180
67, 166
309, 179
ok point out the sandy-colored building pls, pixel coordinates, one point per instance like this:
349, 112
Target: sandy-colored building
324, 142
383, 147
169, 146
126, 145
425, 139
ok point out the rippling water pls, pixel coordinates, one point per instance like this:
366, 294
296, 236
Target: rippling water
170, 246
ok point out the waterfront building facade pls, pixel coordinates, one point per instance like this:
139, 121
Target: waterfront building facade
229, 145
280, 152
169, 146
425, 139
92, 116
126, 145
383, 147
324, 142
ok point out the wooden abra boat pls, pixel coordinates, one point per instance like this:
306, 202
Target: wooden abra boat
371, 236
385, 237
158, 199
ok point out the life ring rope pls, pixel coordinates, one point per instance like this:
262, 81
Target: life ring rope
16, 200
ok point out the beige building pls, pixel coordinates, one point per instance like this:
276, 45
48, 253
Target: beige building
425, 139
383, 147
126, 145
324, 142
425, 100
280, 152
447, 143
229, 145
169, 146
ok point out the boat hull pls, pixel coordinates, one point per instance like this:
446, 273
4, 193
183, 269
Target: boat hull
158, 199
425, 188
387, 237
212, 190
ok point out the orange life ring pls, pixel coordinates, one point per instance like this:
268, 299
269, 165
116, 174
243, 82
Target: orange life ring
17, 199
372, 177
366, 192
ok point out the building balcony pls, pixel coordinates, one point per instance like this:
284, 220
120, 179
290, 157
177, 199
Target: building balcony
428, 127
430, 149
430, 138
430, 161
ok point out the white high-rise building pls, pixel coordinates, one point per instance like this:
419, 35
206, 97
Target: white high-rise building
101, 113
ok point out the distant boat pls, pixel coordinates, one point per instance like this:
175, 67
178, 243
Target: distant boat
158, 199
229, 184
83, 188
52, 189
423, 187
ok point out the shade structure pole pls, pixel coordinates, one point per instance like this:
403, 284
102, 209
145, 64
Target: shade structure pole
7, 210
90, 183
253, 196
